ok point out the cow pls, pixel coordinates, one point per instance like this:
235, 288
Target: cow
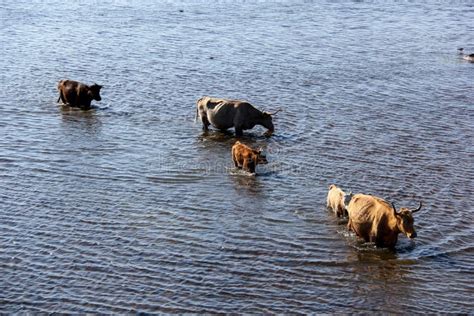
336, 200
468, 57
375, 220
246, 158
224, 114
77, 94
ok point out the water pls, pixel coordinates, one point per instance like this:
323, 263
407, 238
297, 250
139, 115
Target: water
131, 208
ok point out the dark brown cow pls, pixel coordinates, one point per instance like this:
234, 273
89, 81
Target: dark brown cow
375, 220
247, 158
77, 94
224, 114
468, 57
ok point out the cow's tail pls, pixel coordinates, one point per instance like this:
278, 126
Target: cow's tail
197, 113
59, 88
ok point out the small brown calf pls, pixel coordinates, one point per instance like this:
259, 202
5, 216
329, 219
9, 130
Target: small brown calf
247, 158
335, 200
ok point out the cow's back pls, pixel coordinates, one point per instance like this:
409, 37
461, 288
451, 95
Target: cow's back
70, 91
222, 114
245, 109
244, 157
362, 208
368, 215
240, 152
335, 200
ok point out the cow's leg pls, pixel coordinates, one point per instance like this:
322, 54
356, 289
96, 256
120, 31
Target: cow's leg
245, 165
239, 131
379, 242
236, 163
61, 97
87, 104
205, 123
234, 158
374, 239
72, 99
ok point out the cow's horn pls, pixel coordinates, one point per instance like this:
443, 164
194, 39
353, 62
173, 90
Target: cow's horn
417, 209
275, 112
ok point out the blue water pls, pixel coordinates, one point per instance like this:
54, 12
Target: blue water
130, 207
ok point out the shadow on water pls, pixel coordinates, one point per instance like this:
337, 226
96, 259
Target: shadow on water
368, 252
369, 249
228, 136
217, 136
245, 182
82, 119
381, 274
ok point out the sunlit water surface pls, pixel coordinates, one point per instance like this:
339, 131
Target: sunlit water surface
131, 208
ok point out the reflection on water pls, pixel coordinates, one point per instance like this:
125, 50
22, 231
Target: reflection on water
88, 120
246, 183
130, 207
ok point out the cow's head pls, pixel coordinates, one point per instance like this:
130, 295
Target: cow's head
405, 220
260, 157
254, 158
347, 199
267, 122
94, 92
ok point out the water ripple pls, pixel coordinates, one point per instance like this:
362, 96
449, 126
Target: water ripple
131, 208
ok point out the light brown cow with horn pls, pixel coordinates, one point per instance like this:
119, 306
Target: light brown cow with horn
375, 220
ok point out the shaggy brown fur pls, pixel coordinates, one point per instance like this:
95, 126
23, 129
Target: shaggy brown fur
375, 220
247, 158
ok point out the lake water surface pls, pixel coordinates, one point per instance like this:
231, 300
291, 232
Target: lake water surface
130, 207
